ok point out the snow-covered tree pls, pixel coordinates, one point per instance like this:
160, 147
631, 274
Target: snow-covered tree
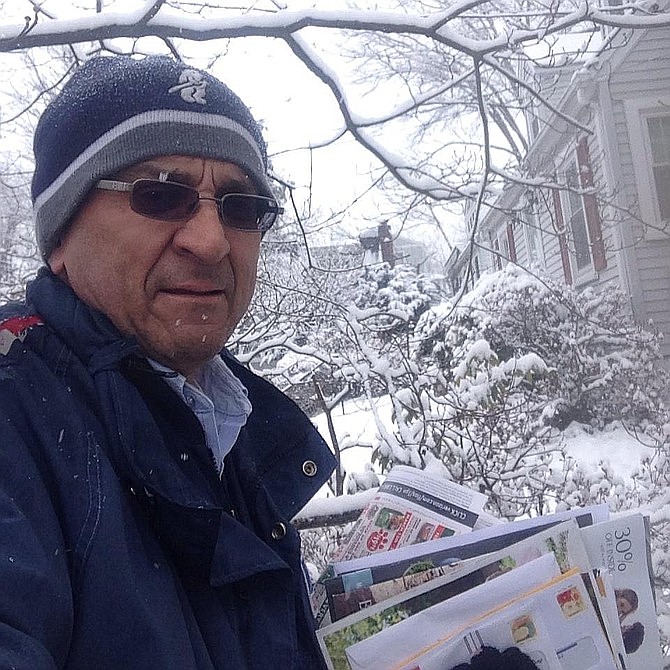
514, 362
397, 296
600, 363
432, 92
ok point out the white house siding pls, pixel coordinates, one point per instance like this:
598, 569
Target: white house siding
641, 269
554, 265
644, 74
520, 245
654, 277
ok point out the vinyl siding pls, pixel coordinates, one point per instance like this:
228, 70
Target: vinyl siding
639, 266
651, 258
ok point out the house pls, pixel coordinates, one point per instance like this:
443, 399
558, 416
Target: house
382, 244
593, 205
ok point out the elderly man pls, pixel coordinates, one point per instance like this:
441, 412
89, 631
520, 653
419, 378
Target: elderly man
147, 480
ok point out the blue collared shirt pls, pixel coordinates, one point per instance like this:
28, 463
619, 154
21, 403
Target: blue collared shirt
219, 400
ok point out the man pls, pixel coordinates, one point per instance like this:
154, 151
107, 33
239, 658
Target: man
146, 481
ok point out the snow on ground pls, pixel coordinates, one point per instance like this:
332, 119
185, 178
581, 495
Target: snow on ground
612, 445
357, 432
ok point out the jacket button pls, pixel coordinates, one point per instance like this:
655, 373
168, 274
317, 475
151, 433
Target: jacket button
309, 468
278, 531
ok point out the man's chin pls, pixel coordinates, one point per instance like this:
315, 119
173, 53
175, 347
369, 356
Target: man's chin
187, 355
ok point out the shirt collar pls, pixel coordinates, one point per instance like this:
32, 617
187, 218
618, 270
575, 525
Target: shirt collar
216, 381
219, 401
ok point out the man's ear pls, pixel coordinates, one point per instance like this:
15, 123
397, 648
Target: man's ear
56, 261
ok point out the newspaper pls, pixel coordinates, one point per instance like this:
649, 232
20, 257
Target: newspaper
355, 591
511, 626
606, 597
335, 638
426, 577
388, 648
343, 578
556, 624
411, 507
620, 548
471, 544
563, 542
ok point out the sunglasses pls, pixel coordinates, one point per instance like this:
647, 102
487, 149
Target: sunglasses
172, 201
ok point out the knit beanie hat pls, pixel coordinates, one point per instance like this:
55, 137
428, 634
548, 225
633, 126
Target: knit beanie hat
117, 111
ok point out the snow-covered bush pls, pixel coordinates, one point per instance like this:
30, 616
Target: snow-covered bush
600, 364
496, 377
512, 366
395, 296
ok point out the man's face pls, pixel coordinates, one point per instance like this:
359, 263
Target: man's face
178, 287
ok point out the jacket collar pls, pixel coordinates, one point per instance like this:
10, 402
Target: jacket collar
290, 457
92, 336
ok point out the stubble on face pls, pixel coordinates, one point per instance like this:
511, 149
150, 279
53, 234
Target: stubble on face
194, 309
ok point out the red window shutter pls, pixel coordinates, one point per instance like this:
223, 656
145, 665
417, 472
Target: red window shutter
593, 222
510, 241
562, 242
495, 251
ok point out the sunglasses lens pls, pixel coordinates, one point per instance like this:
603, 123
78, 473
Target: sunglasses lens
163, 200
171, 201
248, 212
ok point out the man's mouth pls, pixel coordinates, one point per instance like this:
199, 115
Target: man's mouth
193, 292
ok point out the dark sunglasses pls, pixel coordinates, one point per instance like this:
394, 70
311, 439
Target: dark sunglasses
172, 201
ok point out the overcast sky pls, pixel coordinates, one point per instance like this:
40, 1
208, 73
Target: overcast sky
297, 110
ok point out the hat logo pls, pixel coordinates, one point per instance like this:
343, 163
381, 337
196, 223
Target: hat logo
191, 87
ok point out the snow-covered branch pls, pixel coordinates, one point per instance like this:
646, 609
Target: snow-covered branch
153, 19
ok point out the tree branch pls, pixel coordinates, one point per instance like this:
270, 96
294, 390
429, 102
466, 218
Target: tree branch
148, 21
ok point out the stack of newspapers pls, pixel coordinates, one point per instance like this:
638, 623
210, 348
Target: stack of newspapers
426, 578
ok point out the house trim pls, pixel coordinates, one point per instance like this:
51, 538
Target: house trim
627, 264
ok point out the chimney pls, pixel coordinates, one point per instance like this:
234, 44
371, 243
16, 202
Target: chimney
386, 243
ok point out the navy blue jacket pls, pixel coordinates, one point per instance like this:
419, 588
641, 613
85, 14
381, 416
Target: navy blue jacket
120, 548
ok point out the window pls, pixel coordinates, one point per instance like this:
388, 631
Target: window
582, 242
495, 251
476, 273
658, 128
649, 134
532, 119
533, 237
503, 246
559, 227
575, 219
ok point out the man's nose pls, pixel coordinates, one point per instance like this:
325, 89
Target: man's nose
203, 235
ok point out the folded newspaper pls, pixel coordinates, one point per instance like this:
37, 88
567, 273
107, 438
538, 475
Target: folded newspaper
411, 507
425, 580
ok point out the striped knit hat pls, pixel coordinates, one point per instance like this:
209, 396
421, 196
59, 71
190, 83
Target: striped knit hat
117, 111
